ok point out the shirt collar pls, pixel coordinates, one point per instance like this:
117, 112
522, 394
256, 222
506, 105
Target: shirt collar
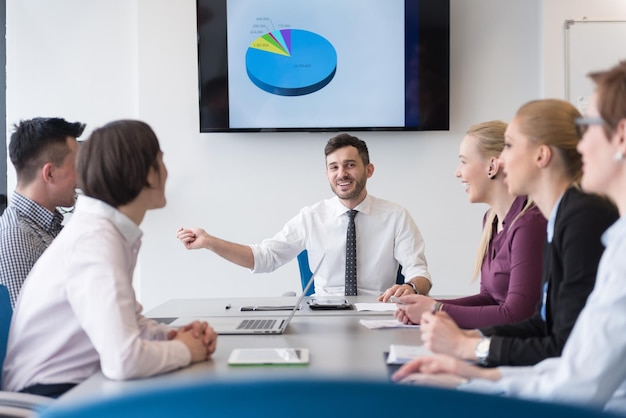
50, 221
515, 209
129, 229
364, 207
552, 219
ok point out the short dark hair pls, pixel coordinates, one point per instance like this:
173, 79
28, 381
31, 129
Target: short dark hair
38, 141
346, 140
113, 163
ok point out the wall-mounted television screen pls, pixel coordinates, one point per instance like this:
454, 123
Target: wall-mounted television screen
323, 65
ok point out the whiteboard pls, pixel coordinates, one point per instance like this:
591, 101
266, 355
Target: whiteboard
590, 45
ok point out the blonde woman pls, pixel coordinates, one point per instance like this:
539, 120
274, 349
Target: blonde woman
592, 368
509, 255
540, 160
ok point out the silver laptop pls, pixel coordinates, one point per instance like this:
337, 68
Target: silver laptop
253, 325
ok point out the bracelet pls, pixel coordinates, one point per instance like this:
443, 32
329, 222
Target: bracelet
437, 307
417, 292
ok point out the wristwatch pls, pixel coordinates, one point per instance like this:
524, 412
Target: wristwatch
482, 350
417, 292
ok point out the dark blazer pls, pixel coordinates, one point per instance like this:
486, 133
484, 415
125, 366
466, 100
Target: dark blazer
570, 263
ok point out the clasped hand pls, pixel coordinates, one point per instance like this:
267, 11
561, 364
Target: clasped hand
199, 337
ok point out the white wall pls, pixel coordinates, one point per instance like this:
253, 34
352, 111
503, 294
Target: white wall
555, 13
105, 59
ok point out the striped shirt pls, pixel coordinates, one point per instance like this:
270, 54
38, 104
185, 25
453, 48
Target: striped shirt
26, 230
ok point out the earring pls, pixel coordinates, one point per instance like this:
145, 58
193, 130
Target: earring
619, 156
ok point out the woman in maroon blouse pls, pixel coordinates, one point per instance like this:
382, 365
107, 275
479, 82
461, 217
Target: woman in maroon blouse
540, 159
510, 252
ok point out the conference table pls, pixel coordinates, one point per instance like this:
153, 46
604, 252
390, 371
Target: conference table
339, 345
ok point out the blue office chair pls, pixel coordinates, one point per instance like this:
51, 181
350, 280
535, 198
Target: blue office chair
310, 398
305, 272
14, 404
6, 313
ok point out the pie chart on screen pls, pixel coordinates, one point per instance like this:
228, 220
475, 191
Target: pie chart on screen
291, 62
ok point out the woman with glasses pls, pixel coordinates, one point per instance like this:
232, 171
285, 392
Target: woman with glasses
591, 369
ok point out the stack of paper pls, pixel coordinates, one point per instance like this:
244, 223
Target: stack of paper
375, 307
384, 323
400, 354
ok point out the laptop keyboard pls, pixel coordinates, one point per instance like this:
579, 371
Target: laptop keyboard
257, 324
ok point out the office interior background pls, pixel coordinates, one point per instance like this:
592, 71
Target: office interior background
102, 60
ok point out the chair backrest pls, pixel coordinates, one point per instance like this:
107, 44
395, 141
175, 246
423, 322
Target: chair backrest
6, 312
14, 404
305, 272
287, 398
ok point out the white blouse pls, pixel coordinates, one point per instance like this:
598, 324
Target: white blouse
77, 310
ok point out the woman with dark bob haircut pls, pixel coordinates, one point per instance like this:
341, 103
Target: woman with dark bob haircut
114, 164
77, 311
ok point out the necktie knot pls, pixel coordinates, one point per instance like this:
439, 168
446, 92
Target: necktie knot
352, 213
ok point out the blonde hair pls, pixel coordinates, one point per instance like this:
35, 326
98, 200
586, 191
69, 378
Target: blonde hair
490, 136
552, 122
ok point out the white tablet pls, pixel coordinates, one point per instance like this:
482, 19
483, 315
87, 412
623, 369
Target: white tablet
268, 356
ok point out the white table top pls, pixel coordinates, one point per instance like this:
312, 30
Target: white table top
338, 344
217, 307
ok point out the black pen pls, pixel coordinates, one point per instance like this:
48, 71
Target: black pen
267, 308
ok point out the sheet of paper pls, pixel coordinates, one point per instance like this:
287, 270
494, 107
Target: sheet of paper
384, 323
376, 307
400, 354
440, 380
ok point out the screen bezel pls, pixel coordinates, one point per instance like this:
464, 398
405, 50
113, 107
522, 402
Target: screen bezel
434, 68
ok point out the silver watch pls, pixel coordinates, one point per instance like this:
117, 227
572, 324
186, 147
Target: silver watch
482, 350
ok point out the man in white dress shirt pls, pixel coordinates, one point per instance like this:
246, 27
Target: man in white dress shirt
386, 234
